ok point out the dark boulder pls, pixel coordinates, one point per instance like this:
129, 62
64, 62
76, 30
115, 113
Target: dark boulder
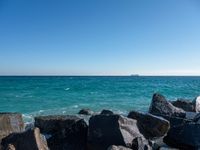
197, 118
10, 123
106, 130
184, 104
85, 111
106, 112
150, 126
114, 147
28, 140
185, 136
160, 106
64, 132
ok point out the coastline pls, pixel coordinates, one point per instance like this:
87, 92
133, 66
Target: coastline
156, 129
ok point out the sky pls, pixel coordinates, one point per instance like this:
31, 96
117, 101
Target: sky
99, 37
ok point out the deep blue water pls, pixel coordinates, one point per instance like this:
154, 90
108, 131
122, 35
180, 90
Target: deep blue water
67, 95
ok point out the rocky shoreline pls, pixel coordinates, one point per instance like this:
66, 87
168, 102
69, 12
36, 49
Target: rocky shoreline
168, 125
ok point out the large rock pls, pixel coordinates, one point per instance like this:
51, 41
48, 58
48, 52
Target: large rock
196, 103
64, 132
184, 104
184, 136
85, 111
106, 112
114, 147
106, 130
28, 140
10, 123
160, 106
150, 126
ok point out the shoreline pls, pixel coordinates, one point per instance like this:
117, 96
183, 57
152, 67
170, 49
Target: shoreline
156, 129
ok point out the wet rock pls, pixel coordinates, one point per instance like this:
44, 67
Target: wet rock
114, 147
160, 106
10, 123
184, 136
184, 104
64, 132
28, 140
85, 111
149, 125
196, 103
106, 130
106, 112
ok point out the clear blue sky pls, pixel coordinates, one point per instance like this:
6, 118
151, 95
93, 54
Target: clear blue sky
99, 37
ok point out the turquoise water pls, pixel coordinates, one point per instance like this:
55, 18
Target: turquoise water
67, 95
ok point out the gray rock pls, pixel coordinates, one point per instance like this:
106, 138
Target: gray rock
106, 112
184, 136
28, 140
10, 123
106, 130
196, 103
114, 147
64, 132
149, 125
186, 105
160, 106
85, 111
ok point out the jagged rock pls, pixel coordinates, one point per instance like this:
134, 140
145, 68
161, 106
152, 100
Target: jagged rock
184, 136
106, 130
106, 112
10, 123
114, 147
149, 125
160, 106
65, 132
85, 111
28, 140
184, 104
196, 103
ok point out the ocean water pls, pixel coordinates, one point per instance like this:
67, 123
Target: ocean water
34, 95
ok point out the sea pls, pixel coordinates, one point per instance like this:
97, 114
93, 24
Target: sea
49, 95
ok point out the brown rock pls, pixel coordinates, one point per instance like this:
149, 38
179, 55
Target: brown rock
10, 123
28, 140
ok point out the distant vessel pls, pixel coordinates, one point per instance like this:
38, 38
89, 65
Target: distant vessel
135, 75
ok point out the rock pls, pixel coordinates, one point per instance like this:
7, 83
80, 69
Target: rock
28, 140
184, 104
64, 132
85, 111
196, 103
175, 121
197, 118
10, 123
106, 130
149, 125
140, 143
114, 147
106, 112
167, 148
160, 106
184, 136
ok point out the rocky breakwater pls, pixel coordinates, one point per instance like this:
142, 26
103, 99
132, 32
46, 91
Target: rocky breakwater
175, 124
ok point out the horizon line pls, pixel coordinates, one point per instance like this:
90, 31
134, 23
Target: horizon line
111, 75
